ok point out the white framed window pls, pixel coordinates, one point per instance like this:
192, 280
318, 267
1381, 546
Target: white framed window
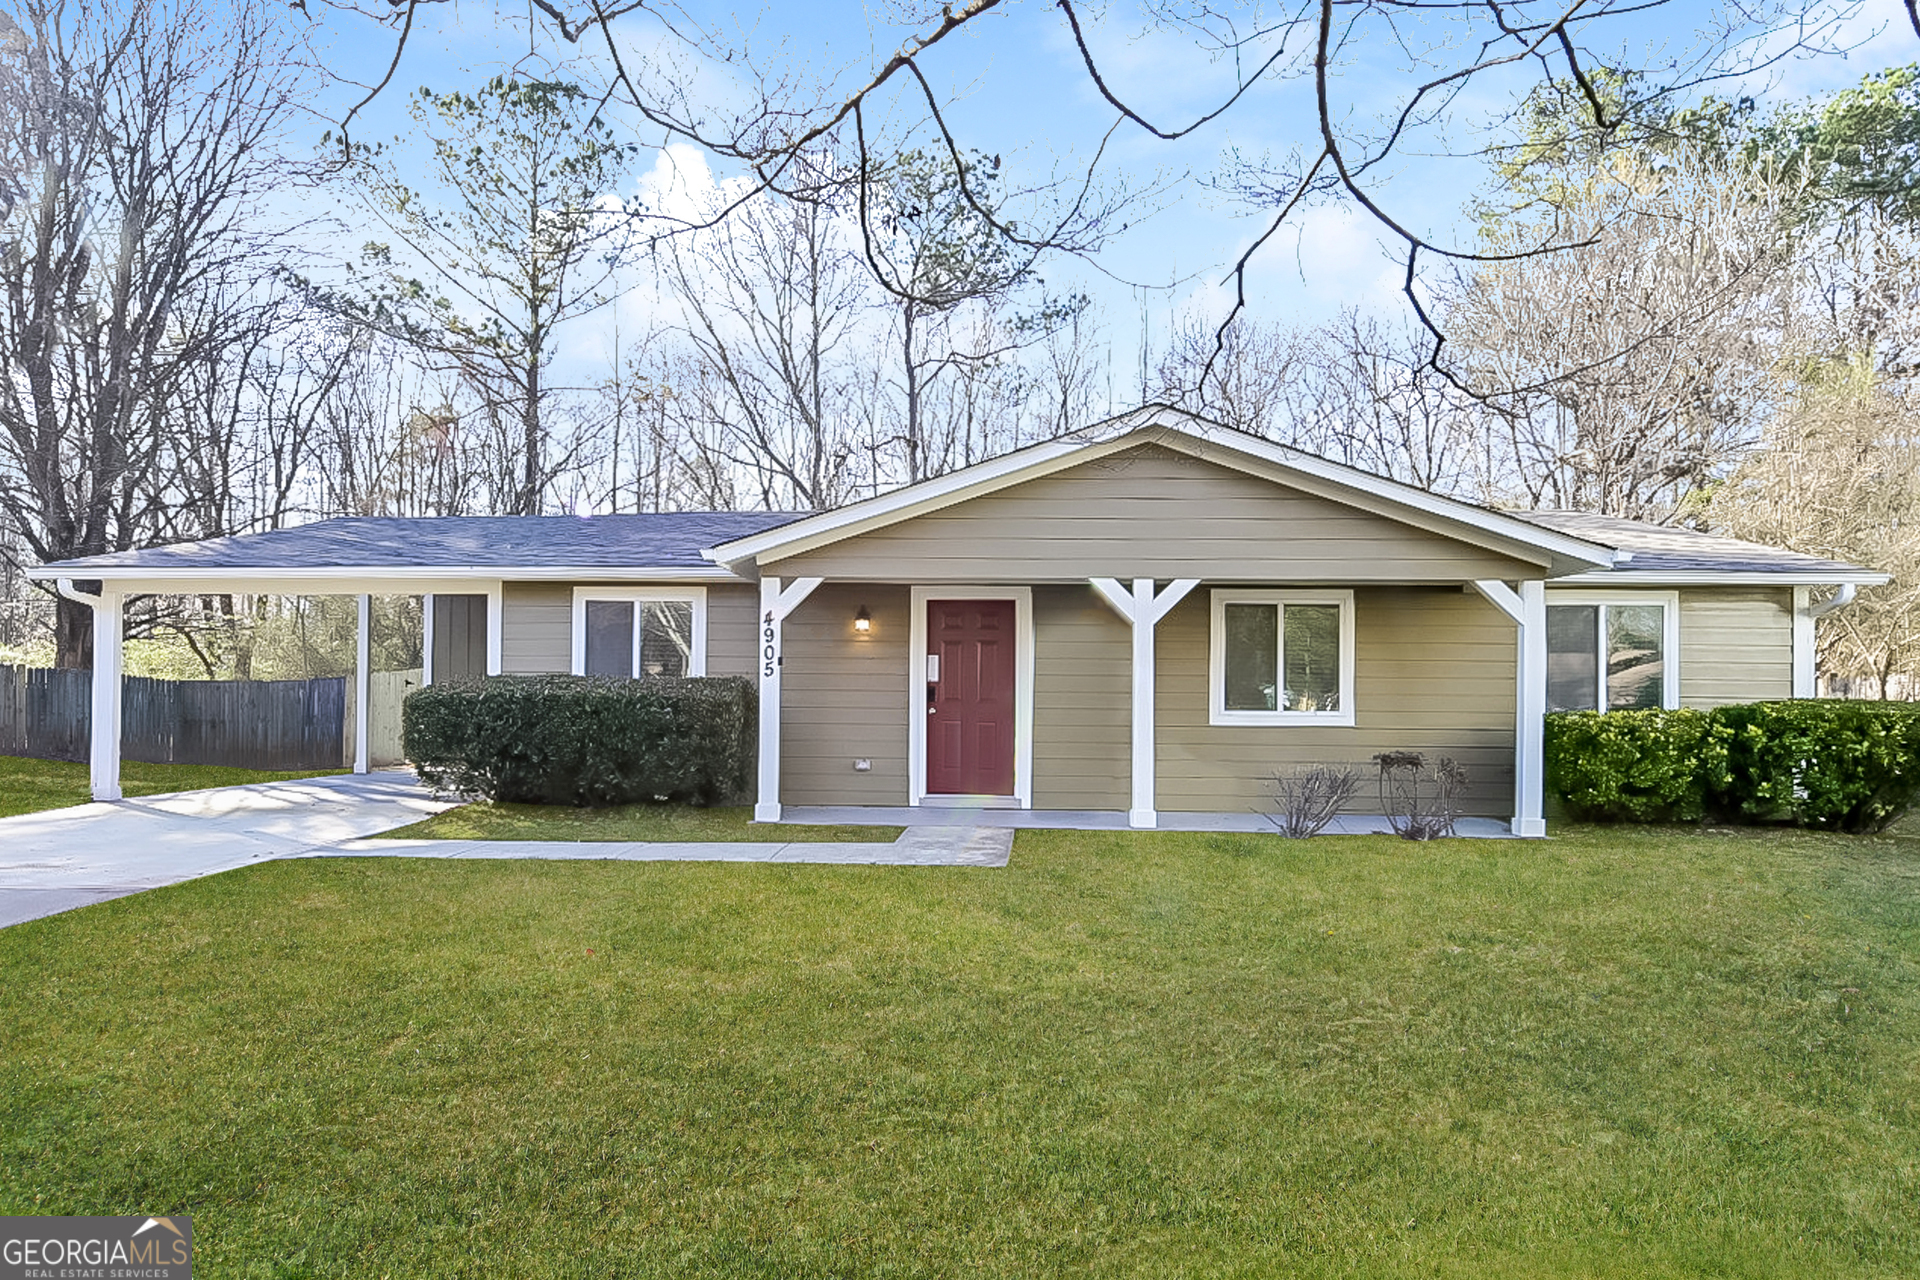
1613, 650
1281, 657
637, 632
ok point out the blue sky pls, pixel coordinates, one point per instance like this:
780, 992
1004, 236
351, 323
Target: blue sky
1018, 89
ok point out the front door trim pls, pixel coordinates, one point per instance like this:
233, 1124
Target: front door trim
1022, 598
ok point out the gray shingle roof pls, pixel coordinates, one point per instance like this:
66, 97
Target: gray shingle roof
1658, 549
671, 540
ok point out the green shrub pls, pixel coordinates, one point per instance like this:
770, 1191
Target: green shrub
1835, 765
581, 741
1635, 766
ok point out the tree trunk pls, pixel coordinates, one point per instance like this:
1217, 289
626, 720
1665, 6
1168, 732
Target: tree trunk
73, 635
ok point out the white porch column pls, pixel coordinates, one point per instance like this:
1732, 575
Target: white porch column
1142, 609
103, 730
1530, 756
775, 605
496, 629
426, 639
104, 748
362, 680
1528, 608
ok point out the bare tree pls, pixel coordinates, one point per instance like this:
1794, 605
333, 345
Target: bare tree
136, 137
524, 237
772, 304
1840, 477
1623, 377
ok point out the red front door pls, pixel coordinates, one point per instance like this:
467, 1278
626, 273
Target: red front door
970, 678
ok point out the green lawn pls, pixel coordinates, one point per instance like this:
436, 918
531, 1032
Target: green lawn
487, 821
1618, 1053
28, 786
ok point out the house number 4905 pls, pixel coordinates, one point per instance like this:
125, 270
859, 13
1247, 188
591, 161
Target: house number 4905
769, 646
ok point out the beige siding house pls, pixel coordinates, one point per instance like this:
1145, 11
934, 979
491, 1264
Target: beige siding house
1147, 619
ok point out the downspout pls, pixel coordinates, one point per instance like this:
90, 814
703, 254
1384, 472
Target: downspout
1805, 612
1841, 599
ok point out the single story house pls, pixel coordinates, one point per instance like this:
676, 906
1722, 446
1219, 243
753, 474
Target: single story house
1150, 616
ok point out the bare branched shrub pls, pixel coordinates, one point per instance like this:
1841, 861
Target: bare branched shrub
1421, 802
1308, 797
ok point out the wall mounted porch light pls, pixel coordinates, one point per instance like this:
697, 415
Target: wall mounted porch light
862, 621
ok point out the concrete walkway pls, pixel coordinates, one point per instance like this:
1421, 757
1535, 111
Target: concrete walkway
65, 858
925, 846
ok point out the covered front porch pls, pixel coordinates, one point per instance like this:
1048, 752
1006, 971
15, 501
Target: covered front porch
1117, 712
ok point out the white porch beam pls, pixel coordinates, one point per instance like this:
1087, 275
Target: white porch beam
775, 605
1502, 597
1528, 609
426, 639
1145, 610
1117, 598
496, 628
103, 744
362, 679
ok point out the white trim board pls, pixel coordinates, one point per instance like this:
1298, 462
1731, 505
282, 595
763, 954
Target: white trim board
919, 597
695, 596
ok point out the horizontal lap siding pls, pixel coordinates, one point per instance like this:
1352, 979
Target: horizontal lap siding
845, 697
538, 627
1082, 721
1151, 511
733, 630
536, 635
1736, 645
1434, 672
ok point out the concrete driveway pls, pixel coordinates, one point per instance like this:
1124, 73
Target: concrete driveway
65, 858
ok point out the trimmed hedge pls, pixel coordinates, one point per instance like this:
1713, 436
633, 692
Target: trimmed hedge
577, 740
1828, 764
1636, 766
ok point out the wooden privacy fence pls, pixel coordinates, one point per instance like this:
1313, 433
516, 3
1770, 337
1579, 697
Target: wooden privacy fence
255, 724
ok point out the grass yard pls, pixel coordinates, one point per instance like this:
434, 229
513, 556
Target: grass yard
28, 785
1618, 1053
487, 821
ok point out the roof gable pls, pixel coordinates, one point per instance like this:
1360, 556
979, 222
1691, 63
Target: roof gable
1181, 433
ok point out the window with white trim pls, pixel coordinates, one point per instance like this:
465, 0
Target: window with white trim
1281, 657
641, 632
1616, 652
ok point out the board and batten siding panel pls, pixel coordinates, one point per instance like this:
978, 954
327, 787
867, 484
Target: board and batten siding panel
536, 636
844, 697
1082, 701
459, 637
1433, 672
1151, 512
1736, 645
733, 628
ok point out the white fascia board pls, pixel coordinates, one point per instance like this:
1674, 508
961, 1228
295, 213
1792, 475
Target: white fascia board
413, 575
828, 527
1627, 578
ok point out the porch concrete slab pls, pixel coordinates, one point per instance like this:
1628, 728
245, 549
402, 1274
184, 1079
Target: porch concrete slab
63, 858
935, 818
